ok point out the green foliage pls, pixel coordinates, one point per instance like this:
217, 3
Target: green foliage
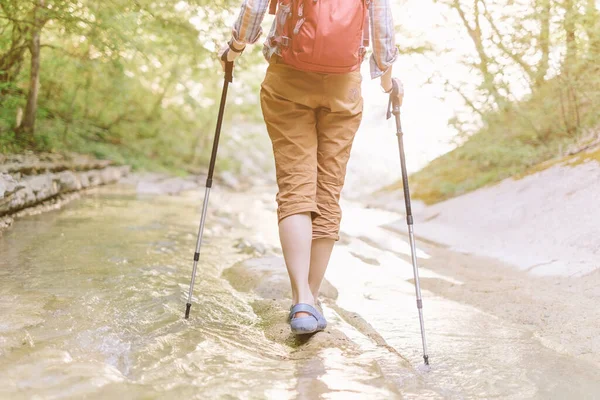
554, 49
511, 142
137, 82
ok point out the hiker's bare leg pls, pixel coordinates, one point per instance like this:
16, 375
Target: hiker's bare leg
319, 259
295, 233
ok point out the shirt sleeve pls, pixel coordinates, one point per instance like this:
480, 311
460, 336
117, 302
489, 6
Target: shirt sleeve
247, 28
383, 38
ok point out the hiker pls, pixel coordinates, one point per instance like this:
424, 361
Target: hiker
312, 106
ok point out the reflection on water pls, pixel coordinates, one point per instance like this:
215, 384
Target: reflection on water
92, 299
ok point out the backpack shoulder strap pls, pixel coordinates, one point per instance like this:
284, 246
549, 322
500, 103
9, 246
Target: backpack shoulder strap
366, 30
273, 7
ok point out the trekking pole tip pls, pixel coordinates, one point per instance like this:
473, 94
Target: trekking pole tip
188, 306
426, 359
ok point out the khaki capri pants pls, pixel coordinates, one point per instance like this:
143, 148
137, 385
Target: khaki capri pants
312, 119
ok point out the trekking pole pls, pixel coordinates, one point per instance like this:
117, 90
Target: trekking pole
394, 108
209, 179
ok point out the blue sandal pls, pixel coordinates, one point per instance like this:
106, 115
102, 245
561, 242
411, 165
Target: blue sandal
306, 325
321, 318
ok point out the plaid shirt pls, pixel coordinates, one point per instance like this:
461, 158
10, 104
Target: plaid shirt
247, 29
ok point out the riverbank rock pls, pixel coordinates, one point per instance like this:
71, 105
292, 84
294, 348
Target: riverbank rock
8, 186
5, 222
27, 180
248, 247
68, 182
42, 186
39, 163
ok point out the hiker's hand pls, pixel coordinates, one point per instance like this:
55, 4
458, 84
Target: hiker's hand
225, 54
389, 85
228, 54
397, 91
386, 80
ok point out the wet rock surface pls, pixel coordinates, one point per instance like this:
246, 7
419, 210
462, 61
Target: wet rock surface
248, 247
158, 184
266, 278
28, 180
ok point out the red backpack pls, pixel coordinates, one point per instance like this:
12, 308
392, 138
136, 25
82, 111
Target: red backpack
328, 36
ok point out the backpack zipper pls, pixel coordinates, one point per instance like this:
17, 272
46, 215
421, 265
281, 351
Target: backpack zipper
298, 26
300, 15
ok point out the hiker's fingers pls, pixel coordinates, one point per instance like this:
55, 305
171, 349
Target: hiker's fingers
224, 55
398, 86
398, 90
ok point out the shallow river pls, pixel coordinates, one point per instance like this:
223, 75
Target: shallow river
92, 300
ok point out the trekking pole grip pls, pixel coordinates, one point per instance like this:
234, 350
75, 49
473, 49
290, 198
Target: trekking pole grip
396, 97
228, 67
397, 94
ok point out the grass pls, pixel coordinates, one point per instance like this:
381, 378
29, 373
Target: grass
471, 167
104, 151
162, 153
570, 161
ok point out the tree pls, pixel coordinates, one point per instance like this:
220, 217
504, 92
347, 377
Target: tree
13, 43
592, 27
135, 78
570, 26
37, 24
529, 44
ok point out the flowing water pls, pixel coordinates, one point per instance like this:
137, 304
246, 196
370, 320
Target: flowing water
92, 300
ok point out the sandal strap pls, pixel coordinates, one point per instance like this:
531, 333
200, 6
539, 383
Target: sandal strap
302, 307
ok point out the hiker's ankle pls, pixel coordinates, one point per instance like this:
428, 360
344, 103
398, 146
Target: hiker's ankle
307, 299
304, 298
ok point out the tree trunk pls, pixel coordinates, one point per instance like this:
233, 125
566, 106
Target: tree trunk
12, 60
544, 42
569, 24
28, 124
484, 62
27, 127
570, 66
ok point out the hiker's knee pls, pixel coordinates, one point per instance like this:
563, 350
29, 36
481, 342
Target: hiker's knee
293, 207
